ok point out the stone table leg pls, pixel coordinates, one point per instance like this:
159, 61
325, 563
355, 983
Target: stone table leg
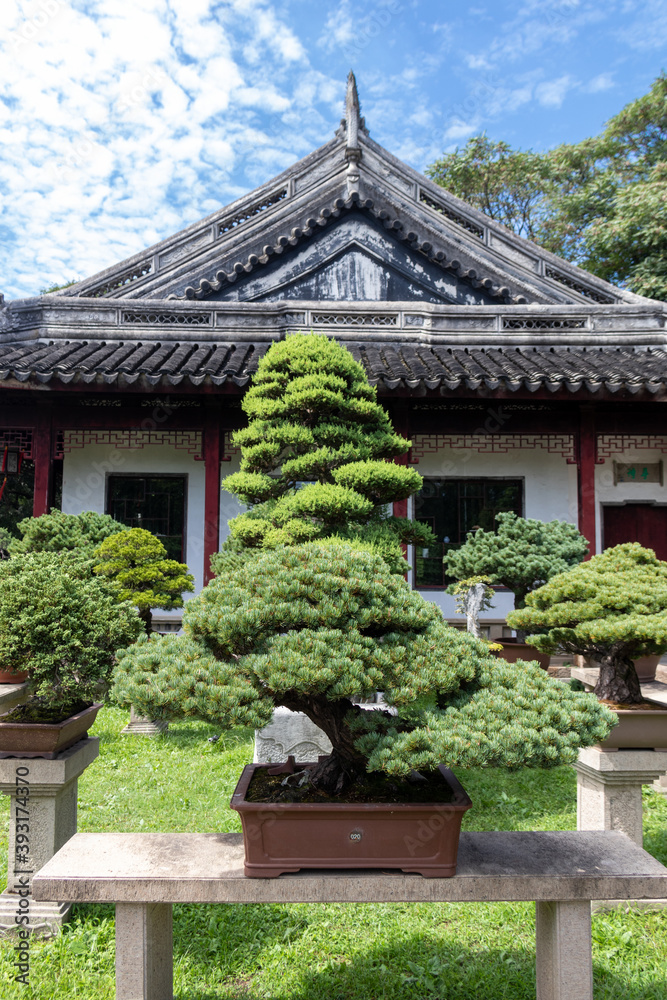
42, 818
144, 955
563, 951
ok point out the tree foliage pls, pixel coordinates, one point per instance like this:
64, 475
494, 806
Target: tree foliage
63, 627
612, 608
600, 203
521, 554
135, 560
316, 457
311, 627
58, 532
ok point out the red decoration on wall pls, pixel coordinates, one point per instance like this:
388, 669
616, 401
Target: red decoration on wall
17, 438
618, 444
134, 440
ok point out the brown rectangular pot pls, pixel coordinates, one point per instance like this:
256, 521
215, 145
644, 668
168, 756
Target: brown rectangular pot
514, 650
414, 836
45, 739
638, 729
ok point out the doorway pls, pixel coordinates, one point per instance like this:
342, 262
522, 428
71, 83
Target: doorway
645, 523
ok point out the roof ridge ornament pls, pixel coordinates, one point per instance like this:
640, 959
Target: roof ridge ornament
354, 123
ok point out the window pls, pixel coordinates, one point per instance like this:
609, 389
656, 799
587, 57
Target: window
156, 503
452, 508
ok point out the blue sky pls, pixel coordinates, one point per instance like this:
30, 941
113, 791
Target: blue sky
122, 121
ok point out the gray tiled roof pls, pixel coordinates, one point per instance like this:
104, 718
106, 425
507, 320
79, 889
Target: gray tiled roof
391, 365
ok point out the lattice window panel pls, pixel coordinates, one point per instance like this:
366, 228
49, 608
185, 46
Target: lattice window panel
512, 323
460, 220
167, 319
260, 206
124, 279
17, 437
354, 319
496, 444
589, 293
134, 440
618, 444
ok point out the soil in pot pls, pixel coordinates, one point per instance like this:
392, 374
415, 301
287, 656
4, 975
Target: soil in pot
414, 836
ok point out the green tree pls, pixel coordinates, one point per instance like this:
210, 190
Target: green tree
58, 532
600, 203
520, 554
135, 560
316, 457
63, 627
612, 608
310, 627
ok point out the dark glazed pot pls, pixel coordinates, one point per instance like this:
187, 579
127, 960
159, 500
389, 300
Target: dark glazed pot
45, 739
413, 836
514, 650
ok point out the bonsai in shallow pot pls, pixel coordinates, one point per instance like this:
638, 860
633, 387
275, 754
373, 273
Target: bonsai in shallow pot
310, 628
612, 609
62, 627
521, 554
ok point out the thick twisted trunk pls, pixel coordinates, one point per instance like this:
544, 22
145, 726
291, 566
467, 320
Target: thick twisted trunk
618, 681
345, 764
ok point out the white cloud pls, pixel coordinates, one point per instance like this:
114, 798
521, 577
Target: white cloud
603, 81
551, 94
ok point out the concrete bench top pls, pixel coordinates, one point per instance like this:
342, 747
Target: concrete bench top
208, 868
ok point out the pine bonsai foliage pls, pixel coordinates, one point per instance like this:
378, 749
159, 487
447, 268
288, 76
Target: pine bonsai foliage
310, 627
520, 554
612, 608
136, 561
315, 420
63, 626
58, 532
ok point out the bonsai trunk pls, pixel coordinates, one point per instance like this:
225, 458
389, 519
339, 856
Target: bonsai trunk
520, 602
618, 681
345, 764
146, 616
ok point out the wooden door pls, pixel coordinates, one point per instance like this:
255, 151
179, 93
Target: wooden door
636, 522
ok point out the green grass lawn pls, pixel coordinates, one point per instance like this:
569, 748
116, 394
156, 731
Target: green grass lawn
337, 951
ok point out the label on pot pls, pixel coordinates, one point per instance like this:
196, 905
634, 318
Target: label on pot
355, 835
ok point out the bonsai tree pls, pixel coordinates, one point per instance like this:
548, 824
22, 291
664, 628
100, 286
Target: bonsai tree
312, 626
472, 597
58, 532
315, 420
136, 561
63, 627
612, 608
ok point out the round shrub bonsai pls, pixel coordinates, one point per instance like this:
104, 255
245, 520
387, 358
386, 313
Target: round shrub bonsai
58, 532
317, 458
520, 554
136, 561
63, 627
612, 608
311, 627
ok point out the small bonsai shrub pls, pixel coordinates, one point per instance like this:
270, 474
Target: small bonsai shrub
136, 561
310, 627
317, 458
63, 627
520, 554
58, 532
612, 608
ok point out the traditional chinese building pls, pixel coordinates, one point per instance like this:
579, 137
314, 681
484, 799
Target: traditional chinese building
524, 382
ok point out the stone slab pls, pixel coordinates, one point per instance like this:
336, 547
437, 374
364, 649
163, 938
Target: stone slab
12, 695
643, 766
208, 868
67, 765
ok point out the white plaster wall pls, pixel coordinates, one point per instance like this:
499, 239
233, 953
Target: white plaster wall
84, 487
607, 493
229, 505
550, 494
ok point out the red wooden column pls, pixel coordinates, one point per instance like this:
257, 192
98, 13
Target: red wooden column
42, 454
587, 453
213, 441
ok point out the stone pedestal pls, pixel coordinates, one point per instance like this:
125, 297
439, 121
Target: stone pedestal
42, 818
139, 726
609, 790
